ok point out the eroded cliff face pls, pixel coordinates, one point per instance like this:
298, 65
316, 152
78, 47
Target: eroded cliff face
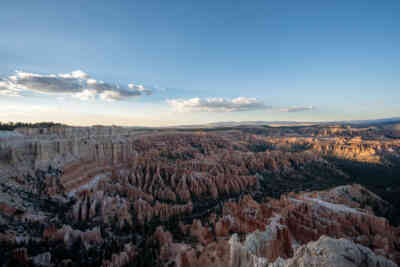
125, 196
68, 147
353, 148
332, 252
84, 153
76, 150
282, 232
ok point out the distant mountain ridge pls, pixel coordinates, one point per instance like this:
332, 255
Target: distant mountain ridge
9, 126
288, 123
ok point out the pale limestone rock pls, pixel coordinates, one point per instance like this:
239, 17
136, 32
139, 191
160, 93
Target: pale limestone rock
43, 260
330, 252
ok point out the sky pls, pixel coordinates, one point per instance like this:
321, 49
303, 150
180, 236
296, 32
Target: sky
158, 63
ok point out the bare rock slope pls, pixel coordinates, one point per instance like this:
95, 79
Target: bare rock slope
112, 196
330, 252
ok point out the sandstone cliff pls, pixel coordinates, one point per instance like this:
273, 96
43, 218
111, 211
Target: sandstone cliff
240, 197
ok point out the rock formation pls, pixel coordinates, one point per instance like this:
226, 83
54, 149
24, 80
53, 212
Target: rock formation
330, 252
261, 196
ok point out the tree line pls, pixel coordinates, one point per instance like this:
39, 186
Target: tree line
10, 126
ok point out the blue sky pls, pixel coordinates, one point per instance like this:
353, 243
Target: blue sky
201, 61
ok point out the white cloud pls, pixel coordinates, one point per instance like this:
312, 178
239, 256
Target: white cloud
7, 92
110, 95
140, 88
218, 104
7, 88
48, 83
77, 84
87, 94
227, 105
91, 81
297, 109
77, 74
118, 95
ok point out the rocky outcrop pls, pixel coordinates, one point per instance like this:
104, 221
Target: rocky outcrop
102, 208
60, 146
354, 196
352, 148
274, 230
191, 198
20, 257
308, 218
71, 132
43, 259
330, 252
162, 211
69, 236
169, 251
122, 258
209, 164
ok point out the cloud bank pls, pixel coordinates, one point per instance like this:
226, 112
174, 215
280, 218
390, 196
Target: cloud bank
78, 84
297, 109
227, 105
7, 88
218, 104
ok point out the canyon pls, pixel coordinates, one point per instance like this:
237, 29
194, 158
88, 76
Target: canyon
317, 195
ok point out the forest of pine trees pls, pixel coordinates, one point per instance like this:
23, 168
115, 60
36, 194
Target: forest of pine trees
10, 126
